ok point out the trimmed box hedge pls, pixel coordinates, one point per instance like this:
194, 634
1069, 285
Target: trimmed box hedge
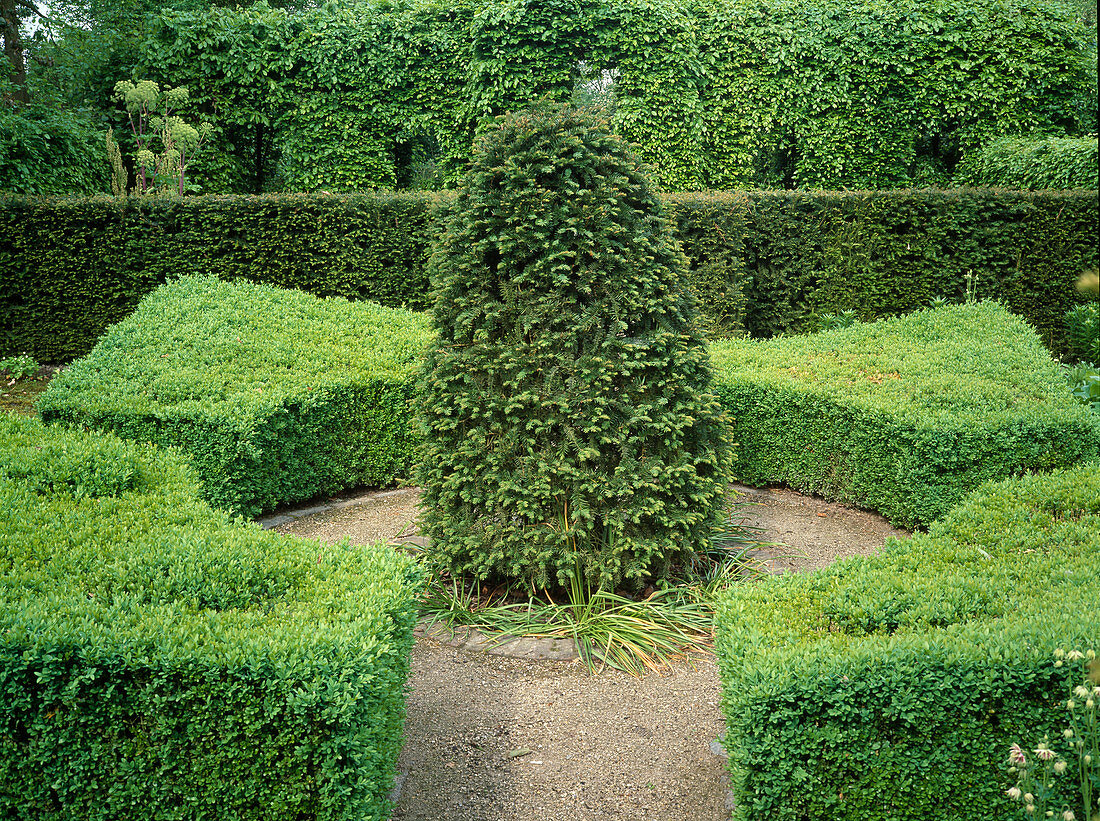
904, 416
891, 687
274, 395
764, 262
163, 660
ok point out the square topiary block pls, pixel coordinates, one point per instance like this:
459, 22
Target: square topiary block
273, 395
893, 686
160, 659
904, 416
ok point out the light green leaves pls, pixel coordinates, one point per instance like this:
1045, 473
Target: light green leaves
274, 394
134, 619
848, 679
140, 97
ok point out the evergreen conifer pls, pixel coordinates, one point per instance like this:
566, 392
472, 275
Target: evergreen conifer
567, 416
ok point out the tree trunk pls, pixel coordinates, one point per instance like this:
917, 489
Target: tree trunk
13, 51
258, 184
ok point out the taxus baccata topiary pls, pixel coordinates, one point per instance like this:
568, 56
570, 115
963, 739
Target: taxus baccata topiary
568, 422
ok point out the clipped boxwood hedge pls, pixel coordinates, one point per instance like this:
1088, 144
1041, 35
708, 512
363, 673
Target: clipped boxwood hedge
905, 415
163, 660
274, 395
892, 686
766, 262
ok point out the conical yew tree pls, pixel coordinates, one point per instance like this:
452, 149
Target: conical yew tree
568, 422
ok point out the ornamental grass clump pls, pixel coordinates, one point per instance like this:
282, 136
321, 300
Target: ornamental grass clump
570, 431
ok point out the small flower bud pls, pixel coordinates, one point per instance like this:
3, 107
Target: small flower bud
1087, 759
1059, 653
1068, 816
1030, 808
1071, 704
1058, 663
1050, 813
1013, 793
1059, 766
1089, 704
1068, 732
1028, 797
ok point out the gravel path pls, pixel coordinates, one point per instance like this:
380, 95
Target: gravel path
495, 738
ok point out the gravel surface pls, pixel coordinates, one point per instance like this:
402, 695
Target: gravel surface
496, 738
501, 738
493, 738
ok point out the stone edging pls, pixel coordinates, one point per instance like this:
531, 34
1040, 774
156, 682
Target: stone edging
518, 647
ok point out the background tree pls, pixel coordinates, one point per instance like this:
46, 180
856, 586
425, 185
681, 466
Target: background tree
11, 28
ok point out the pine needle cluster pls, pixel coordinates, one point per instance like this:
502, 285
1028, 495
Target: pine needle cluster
569, 425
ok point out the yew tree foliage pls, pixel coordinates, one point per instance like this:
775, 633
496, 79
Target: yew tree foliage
568, 420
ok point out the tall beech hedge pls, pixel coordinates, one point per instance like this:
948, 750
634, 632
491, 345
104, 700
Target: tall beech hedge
807, 93
1033, 162
764, 262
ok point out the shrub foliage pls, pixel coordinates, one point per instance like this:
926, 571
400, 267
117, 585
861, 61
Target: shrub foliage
160, 659
905, 415
764, 262
567, 419
892, 687
813, 93
48, 150
274, 395
1035, 162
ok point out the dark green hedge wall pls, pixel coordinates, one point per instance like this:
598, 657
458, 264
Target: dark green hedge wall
881, 253
762, 261
74, 266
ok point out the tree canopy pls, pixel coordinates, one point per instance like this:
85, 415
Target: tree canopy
734, 93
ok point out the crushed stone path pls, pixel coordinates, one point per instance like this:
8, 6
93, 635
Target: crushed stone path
530, 737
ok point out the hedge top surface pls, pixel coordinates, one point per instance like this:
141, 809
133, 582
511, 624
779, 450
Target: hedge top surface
87, 465
1020, 553
198, 344
152, 570
956, 366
